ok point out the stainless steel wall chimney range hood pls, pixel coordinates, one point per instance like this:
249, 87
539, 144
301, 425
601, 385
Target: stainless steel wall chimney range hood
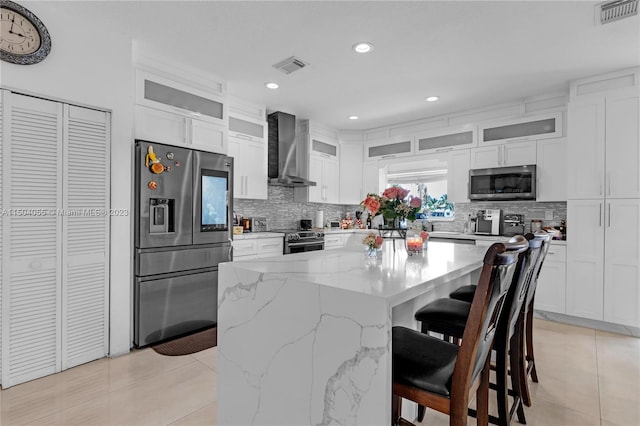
286, 155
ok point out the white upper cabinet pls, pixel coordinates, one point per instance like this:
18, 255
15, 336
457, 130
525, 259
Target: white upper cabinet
351, 173
447, 139
533, 127
551, 170
172, 112
504, 155
389, 148
603, 150
323, 165
458, 176
622, 158
324, 170
248, 147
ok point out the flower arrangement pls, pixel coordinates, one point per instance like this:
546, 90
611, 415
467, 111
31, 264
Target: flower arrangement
373, 241
394, 203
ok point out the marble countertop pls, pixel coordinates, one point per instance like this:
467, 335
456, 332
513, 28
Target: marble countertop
463, 236
394, 276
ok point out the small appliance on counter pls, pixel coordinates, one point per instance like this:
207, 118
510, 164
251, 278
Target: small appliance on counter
489, 222
334, 224
513, 224
305, 224
258, 224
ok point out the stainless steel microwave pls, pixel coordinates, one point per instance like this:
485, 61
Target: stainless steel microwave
503, 183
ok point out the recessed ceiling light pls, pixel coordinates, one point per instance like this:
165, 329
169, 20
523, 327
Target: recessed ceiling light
433, 98
353, 117
272, 85
363, 47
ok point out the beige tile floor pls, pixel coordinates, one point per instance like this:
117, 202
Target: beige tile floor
587, 377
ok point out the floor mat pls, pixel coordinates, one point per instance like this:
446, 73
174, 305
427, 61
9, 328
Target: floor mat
190, 344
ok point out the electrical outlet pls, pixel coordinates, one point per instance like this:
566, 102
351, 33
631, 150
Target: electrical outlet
548, 215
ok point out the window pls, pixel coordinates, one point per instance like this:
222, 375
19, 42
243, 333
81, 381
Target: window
429, 182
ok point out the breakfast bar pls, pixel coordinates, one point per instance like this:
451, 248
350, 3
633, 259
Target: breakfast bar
305, 339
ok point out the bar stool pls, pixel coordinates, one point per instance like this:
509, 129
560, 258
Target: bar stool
506, 343
465, 293
444, 376
526, 323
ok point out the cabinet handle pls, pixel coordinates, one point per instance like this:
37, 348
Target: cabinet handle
444, 149
389, 156
246, 185
242, 136
609, 215
600, 211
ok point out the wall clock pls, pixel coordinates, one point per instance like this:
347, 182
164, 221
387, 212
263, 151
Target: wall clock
24, 39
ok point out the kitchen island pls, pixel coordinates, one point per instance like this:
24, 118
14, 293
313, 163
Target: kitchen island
305, 339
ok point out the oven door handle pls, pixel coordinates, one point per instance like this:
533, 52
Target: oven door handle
315, 243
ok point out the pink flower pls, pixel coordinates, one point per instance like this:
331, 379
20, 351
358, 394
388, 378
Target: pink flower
379, 241
402, 193
424, 235
372, 204
391, 193
415, 202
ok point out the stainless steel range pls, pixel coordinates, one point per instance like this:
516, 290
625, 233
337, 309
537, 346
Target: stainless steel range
302, 241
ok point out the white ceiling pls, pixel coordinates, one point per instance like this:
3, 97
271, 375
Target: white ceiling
470, 53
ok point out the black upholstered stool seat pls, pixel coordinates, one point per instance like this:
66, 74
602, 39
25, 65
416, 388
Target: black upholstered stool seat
464, 293
422, 361
446, 316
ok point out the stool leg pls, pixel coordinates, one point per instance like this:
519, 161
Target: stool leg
523, 371
396, 406
516, 361
502, 389
421, 408
482, 396
529, 331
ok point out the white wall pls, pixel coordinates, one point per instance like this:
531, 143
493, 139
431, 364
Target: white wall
91, 65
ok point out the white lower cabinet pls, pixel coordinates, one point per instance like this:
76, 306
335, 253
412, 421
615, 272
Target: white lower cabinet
255, 248
621, 258
334, 241
603, 275
54, 271
552, 282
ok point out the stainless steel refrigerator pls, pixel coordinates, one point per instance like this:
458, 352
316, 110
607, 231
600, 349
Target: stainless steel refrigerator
183, 214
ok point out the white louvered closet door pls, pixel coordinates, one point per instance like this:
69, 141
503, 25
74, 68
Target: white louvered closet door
54, 235
85, 272
31, 280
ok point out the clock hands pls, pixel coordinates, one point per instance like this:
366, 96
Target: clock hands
11, 29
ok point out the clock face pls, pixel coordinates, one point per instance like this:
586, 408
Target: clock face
24, 39
17, 34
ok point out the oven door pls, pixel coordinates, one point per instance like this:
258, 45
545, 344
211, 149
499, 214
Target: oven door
213, 197
303, 246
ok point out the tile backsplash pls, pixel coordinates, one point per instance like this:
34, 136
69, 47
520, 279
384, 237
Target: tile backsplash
282, 212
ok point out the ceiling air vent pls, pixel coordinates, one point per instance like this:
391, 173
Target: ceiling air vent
290, 65
618, 9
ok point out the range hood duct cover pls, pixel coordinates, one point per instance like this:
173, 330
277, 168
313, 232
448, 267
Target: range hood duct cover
285, 155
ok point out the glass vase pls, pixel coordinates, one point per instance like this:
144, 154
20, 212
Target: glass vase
371, 252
